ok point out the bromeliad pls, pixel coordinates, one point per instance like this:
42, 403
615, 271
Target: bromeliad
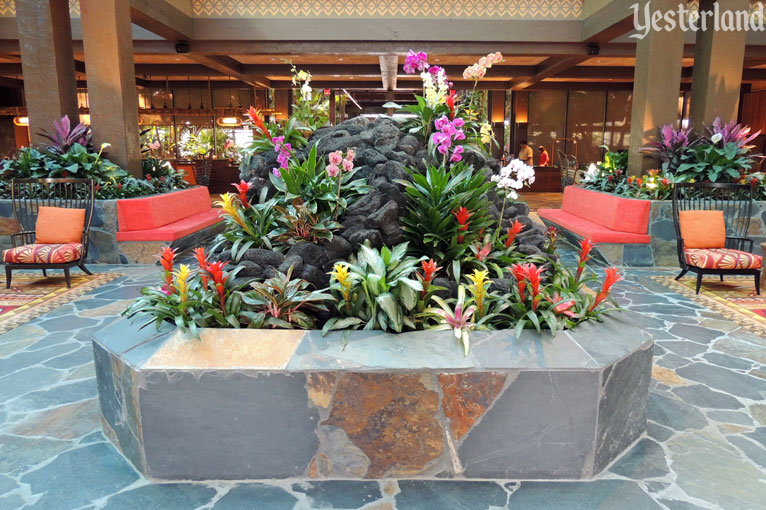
514, 230
612, 277
459, 321
462, 215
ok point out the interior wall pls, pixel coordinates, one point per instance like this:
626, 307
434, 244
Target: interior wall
585, 123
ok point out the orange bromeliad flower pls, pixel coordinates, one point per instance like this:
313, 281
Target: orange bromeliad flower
166, 259
612, 277
215, 270
533, 275
256, 118
513, 231
482, 252
519, 273
429, 271
462, 215
201, 256
563, 308
586, 245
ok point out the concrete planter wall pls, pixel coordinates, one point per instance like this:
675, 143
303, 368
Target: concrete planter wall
265, 404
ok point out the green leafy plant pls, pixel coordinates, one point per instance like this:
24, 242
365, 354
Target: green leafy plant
300, 222
162, 175
376, 291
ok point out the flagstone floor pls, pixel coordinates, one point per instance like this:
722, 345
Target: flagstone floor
705, 447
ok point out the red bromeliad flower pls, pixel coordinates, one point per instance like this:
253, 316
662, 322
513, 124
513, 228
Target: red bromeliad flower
585, 247
429, 271
451, 103
519, 274
665, 181
256, 118
166, 259
533, 275
639, 182
563, 308
242, 188
462, 215
482, 252
201, 256
215, 270
754, 182
612, 277
516, 227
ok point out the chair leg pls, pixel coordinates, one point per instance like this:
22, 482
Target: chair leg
45, 273
84, 269
699, 282
721, 277
683, 272
8, 277
68, 278
758, 284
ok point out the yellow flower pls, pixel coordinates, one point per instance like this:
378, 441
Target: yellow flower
486, 133
341, 275
478, 277
478, 290
231, 208
182, 275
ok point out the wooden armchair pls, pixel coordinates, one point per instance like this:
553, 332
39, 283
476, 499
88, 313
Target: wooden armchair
32, 252
715, 246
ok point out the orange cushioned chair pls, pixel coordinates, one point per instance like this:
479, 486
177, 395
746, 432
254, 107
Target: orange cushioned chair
54, 217
712, 220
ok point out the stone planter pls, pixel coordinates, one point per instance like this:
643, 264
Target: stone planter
265, 404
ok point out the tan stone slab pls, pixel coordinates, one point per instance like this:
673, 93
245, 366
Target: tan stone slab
667, 376
115, 308
64, 422
228, 348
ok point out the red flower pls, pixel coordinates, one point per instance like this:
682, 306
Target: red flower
201, 256
639, 182
462, 215
585, 247
562, 308
519, 274
215, 270
533, 275
612, 277
665, 181
119, 185
166, 259
242, 188
429, 271
148, 177
516, 227
98, 187
482, 252
630, 180
610, 178
451, 103
256, 118
754, 181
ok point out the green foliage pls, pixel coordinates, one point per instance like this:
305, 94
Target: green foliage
262, 141
247, 225
300, 222
379, 291
198, 144
430, 225
162, 175
708, 161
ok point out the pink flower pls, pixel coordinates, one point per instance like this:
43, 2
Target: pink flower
276, 172
443, 148
333, 170
350, 154
415, 62
483, 62
457, 154
348, 165
441, 122
335, 158
458, 123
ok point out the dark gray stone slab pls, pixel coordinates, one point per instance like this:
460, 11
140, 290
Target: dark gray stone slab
659, 432
730, 417
726, 361
702, 396
74, 359
339, 494
452, 495
645, 460
611, 340
189, 421
19, 453
256, 495
674, 413
67, 323
509, 441
76, 478
622, 409
695, 333
683, 347
26, 380
601, 494
725, 380
58, 395
161, 497
754, 451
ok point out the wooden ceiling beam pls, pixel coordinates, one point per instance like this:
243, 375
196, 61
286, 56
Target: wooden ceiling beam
548, 69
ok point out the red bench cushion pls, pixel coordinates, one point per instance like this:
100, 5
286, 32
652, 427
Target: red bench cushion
722, 258
590, 230
610, 211
175, 230
146, 213
43, 254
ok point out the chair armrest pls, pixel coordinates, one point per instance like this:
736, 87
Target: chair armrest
739, 243
22, 238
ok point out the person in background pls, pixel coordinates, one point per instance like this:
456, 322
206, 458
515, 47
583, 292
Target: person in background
526, 154
543, 159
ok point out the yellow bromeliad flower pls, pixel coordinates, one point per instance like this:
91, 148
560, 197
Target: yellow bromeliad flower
231, 208
182, 276
341, 275
478, 289
486, 133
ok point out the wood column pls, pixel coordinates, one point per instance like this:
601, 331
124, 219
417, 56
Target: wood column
113, 99
47, 61
333, 110
656, 86
717, 76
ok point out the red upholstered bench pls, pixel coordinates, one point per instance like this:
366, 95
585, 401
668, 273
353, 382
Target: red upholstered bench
601, 217
166, 217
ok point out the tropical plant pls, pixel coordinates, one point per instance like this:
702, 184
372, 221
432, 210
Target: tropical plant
300, 222
376, 290
311, 108
671, 145
446, 212
459, 319
63, 136
247, 225
282, 302
162, 174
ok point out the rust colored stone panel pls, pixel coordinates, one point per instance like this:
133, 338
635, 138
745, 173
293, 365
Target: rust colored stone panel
391, 418
320, 386
467, 396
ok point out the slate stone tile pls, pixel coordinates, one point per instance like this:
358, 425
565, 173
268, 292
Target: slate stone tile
75, 478
702, 396
88, 304
726, 361
11, 502
120, 292
256, 495
162, 497
659, 432
758, 435
67, 323
695, 333
645, 460
24, 381
192, 420
683, 347
29, 358
58, 395
339, 494
73, 359
754, 451
51, 339
658, 350
730, 417
606, 494
674, 504
7, 484
94, 437
741, 349
672, 361
674, 413
452, 495
725, 380
654, 487
20, 453
660, 334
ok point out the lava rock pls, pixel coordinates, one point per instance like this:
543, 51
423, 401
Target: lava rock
309, 252
409, 144
357, 237
250, 269
338, 248
501, 285
371, 157
449, 285
366, 205
386, 215
315, 276
385, 135
264, 257
392, 192
294, 261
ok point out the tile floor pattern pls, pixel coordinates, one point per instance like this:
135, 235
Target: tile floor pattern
705, 447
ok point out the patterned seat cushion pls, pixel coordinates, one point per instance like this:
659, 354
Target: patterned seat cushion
722, 258
43, 254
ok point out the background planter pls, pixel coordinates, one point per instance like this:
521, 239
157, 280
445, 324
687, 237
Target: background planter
264, 404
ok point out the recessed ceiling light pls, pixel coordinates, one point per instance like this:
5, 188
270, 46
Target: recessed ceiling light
340, 58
